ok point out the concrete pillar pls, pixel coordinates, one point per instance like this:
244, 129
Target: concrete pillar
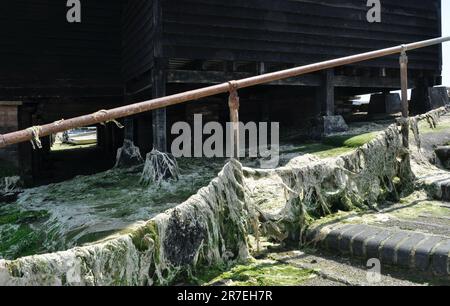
420, 97
385, 103
425, 99
328, 122
438, 96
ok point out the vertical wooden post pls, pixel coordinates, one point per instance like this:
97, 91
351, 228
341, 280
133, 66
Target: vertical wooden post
159, 80
233, 104
159, 115
128, 121
129, 128
328, 100
405, 104
325, 94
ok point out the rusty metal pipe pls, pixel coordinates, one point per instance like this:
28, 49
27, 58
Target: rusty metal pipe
133, 109
233, 104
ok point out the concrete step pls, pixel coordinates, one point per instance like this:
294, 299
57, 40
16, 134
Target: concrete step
414, 250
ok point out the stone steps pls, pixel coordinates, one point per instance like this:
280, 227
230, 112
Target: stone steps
418, 251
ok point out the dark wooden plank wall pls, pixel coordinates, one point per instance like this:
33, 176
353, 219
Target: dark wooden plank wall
137, 42
39, 48
115, 41
299, 32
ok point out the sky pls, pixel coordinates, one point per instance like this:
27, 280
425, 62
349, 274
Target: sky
446, 46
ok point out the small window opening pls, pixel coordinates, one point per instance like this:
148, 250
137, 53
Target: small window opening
79, 138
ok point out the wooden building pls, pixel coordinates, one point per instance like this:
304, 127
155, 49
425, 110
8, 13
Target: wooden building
125, 51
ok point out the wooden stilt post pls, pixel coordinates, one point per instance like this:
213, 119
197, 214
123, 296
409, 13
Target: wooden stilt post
328, 93
233, 104
159, 81
405, 104
159, 116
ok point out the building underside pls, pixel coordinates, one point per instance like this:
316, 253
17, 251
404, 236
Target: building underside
130, 51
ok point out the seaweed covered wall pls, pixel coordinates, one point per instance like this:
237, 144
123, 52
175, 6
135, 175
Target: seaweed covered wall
213, 227
308, 188
208, 229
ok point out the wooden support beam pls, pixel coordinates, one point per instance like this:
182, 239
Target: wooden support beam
129, 128
325, 94
159, 116
217, 77
329, 92
159, 81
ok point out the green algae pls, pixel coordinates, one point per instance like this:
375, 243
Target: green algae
87, 209
17, 235
333, 152
263, 273
416, 210
146, 237
333, 146
20, 241
350, 141
425, 128
340, 216
20, 217
319, 149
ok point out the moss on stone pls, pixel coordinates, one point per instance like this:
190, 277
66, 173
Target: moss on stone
146, 237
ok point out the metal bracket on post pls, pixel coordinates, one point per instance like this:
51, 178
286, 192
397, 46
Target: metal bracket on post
405, 104
233, 104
